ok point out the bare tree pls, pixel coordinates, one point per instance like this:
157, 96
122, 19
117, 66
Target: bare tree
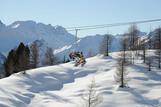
92, 97
133, 38
121, 73
149, 62
105, 44
34, 55
133, 33
144, 52
158, 42
148, 58
143, 47
158, 53
49, 57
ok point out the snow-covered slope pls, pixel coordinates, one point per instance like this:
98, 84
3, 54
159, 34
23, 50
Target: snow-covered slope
63, 85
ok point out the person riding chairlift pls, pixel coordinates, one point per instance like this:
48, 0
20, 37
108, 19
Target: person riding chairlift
78, 57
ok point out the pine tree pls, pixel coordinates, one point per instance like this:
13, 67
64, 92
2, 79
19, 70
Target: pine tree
20, 58
9, 63
17, 60
26, 59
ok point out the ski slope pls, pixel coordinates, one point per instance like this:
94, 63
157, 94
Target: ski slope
63, 85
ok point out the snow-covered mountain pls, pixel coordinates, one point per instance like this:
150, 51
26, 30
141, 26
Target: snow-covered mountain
55, 37
29, 31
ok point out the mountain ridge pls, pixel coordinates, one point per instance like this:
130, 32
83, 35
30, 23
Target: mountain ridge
56, 37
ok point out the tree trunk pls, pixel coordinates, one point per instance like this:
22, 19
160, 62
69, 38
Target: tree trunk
144, 55
122, 75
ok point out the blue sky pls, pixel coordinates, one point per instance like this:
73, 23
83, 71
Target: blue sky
69, 13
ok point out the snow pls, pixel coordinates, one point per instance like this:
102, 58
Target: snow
56, 51
16, 26
63, 85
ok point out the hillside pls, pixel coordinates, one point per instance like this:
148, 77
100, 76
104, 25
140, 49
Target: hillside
62, 85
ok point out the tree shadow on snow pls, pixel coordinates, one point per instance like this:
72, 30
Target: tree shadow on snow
139, 98
153, 75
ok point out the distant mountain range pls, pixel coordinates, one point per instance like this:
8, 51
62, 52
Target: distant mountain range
29, 31
55, 37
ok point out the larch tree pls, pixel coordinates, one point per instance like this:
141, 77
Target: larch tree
49, 57
144, 51
34, 55
158, 48
91, 96
133, 33
121, 75
105, 44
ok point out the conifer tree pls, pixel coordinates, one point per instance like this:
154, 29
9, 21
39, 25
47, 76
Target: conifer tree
17, 60
9, 63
